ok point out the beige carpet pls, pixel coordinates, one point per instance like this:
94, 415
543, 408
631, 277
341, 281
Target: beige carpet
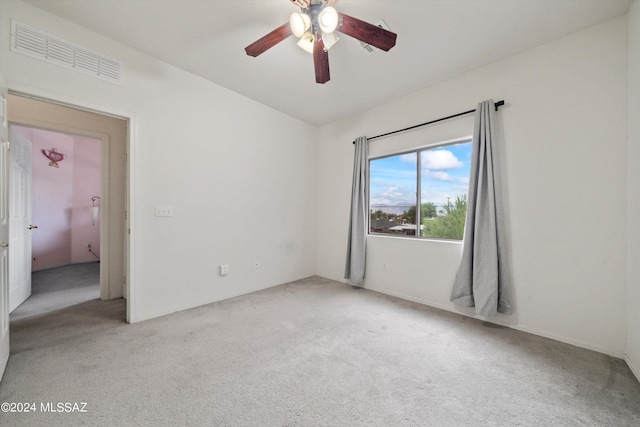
60, 287
309, 353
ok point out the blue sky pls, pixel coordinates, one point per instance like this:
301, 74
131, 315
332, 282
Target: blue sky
445, 173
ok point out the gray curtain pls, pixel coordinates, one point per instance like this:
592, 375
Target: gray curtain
481, 281
356, 245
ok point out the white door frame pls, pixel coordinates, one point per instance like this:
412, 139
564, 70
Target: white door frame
130, 190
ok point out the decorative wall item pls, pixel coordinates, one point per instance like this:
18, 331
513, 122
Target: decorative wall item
54, 156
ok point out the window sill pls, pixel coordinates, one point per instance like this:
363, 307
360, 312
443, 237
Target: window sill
415, 239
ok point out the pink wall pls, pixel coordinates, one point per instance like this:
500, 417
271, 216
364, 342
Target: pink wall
86, 184
61, 199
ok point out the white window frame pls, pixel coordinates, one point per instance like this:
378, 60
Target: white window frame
417, 150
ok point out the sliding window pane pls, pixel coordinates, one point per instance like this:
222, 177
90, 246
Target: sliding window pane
444, 184
393, 190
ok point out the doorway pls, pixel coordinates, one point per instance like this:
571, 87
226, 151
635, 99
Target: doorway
103, 239
60, 219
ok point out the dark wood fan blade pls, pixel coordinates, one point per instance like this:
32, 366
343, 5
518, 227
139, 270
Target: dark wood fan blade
268, 41
320, 61
368, 33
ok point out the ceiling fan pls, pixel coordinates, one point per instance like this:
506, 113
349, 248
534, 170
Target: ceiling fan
315, 26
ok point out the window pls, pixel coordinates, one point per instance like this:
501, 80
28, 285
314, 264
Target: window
434, 178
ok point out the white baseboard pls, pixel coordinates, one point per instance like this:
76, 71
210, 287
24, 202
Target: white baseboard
505, 322
150, 316
633, 365
67, 264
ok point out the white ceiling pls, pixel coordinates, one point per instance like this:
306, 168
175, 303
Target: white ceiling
436, 39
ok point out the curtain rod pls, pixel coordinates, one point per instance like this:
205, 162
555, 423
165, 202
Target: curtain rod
497, 104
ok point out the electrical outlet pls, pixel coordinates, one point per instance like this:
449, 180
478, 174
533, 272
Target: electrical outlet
224, 269
164, 210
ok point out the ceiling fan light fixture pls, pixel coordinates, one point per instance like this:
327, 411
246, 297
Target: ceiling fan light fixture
329, 39
328, 19
314, 25
307, 41
299, 22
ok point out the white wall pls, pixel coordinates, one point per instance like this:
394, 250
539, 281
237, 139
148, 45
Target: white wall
240, 176
564, 151
633, 192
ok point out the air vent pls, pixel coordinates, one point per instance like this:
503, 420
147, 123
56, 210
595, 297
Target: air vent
38, 44
367, 47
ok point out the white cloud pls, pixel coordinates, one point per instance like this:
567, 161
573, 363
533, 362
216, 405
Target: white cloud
393, 195
409, 158
439, 175
440, 160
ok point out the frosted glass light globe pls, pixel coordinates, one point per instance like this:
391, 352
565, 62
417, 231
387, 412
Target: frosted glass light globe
299, 23
328, 19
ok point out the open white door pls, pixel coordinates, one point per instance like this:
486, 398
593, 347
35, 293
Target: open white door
19, 218
4, 230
